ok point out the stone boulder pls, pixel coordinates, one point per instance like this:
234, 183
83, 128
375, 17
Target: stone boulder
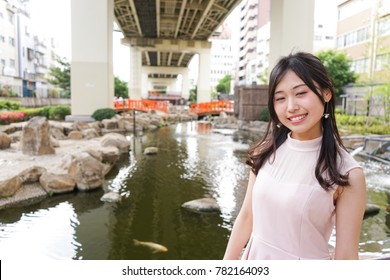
35, 138
116, 140
57, 133
5, 141
110, 154
32, 174
10, 186
57, 183
150, 151
202, 205
87, 171
371, 209
90, 133
75, 135
111, 197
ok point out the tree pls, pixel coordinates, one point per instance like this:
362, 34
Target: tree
338, 66
224, 84
264, 78
193, 94
121, 89
60, 76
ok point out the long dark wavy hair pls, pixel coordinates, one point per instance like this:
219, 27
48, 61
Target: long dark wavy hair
310, 70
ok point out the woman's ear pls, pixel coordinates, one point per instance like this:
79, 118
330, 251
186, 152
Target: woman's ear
327, 94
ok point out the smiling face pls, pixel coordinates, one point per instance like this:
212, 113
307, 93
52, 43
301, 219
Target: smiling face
298, 108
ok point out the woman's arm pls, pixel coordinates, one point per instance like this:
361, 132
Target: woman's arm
350, 207
242, 227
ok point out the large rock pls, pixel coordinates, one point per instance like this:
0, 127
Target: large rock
116, 140
87, 171
32, 174
5, 141
110, 154
57, 183
35, 138
10, 186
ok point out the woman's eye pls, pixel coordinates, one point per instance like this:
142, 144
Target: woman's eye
301, 93
279, 98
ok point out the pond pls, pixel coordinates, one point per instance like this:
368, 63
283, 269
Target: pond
191, 164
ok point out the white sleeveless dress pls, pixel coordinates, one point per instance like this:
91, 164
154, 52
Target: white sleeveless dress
293, 216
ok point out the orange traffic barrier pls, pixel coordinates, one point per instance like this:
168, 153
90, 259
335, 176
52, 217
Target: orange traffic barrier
213, 107
141, 105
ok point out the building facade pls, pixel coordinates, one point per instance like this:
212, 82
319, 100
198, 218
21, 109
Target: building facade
247, 54
363, 32
25, 57
256, 31
222, 55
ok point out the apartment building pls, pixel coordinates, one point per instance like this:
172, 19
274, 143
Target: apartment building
363, 32
223, 54
247, 55
25, 57
256, 31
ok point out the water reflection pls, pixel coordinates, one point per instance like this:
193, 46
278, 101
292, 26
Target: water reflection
43, 234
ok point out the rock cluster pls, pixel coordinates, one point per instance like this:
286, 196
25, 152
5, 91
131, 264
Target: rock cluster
39, 158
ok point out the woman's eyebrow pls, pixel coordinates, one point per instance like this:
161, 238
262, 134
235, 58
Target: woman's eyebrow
295, 87
300, 85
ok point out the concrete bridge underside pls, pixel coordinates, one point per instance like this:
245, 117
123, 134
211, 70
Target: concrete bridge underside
161, 35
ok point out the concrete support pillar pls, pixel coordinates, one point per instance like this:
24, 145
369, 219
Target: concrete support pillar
292, 28
144, 83
185, 88
92, 80
136, 77
204, 85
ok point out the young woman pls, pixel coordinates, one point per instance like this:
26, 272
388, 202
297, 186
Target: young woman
302, 182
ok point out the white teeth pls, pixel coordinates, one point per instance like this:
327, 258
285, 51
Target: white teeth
297, 118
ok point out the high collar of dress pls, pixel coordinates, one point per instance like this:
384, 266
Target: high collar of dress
304, 145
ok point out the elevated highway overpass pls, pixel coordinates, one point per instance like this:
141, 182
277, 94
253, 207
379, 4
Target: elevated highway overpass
163, 36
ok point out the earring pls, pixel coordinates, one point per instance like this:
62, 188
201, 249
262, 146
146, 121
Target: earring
278, 125
326, 114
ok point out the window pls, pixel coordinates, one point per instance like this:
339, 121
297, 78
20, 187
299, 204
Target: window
11, 18
384, 26
30, 54
360, 65
12, 63
26, 31
382, 61
11, 41
2, 39
2, 62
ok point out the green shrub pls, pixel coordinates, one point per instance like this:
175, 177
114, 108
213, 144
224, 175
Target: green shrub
31, 112
362, 124
59, 112
104, 113
9, 105
45, 111
264, 115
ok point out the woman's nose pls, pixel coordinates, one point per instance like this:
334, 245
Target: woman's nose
292, 105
